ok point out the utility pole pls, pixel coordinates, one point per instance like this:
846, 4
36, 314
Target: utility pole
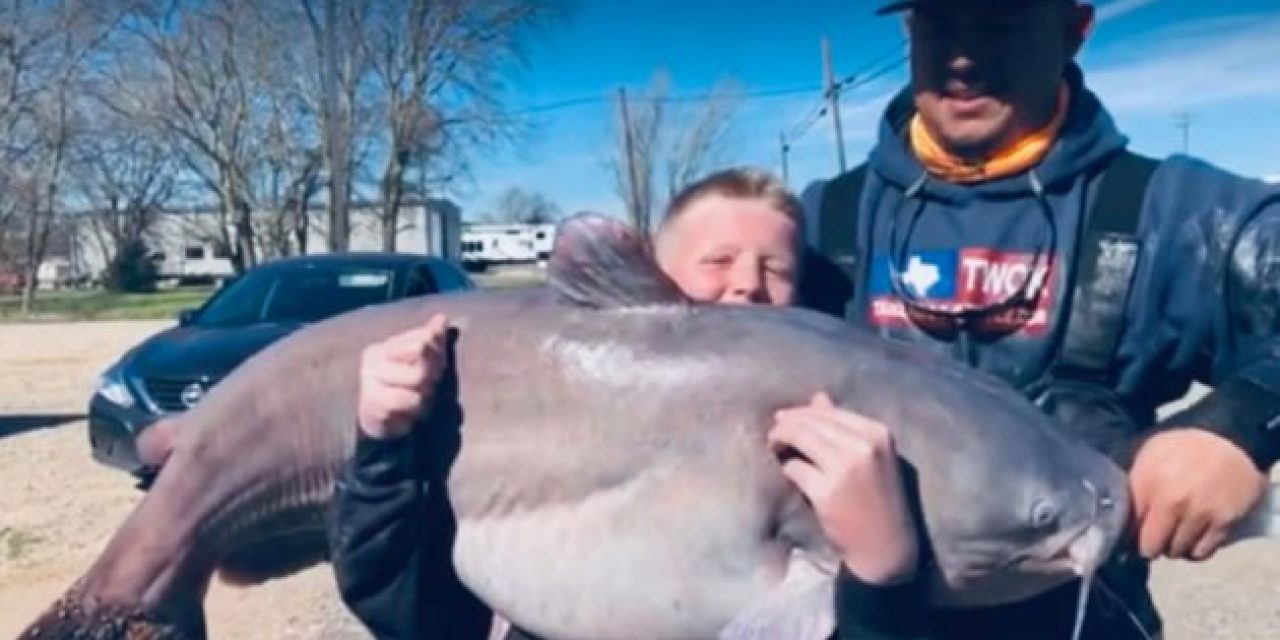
639, 218
784, 147
1183, 121
832, 91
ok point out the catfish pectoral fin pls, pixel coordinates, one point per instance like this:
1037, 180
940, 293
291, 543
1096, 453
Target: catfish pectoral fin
800, 608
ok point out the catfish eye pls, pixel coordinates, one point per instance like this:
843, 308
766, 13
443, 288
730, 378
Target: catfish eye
1044, 514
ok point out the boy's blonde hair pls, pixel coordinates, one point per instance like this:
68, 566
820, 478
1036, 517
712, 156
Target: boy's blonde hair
741, 182
738, 182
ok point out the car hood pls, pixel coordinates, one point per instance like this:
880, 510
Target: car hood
194, 352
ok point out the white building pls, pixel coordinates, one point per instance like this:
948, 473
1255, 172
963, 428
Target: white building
55, 273
186, 243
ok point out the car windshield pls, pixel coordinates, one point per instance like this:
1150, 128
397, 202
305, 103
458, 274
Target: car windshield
298, 294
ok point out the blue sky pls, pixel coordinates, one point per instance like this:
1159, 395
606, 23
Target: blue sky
1150, 60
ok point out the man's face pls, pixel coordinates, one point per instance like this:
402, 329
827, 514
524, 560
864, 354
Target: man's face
986, 74
731, 250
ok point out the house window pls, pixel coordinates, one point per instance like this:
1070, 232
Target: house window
221, 251
194, 253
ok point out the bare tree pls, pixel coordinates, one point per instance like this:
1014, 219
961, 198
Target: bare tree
128, 177
638, 132
340, 66
39, 194
289, 221
653, 132
233, 95
193, 70
8, 221
45, 50
698, 136
292, 157
440, 66
524, 206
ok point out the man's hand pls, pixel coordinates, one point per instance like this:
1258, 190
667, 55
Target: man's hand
398, 377
850, 473
1190, 487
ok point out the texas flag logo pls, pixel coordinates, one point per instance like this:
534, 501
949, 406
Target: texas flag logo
957, 279
921, 276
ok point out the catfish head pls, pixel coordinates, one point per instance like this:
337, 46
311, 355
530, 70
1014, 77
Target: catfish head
1060, 522
1012, 504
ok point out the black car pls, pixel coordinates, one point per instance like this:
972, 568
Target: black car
170, 371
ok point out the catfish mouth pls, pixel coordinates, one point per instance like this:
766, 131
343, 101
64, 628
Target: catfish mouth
984, 577
1085, 547
992, 582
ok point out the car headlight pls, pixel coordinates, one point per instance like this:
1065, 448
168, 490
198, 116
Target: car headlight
111, 387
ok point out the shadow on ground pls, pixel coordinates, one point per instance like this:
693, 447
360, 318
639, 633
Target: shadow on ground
12, 425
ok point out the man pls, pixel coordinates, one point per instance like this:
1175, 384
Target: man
733, 237
999, 219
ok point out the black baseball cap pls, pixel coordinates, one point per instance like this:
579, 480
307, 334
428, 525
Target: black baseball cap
903, 5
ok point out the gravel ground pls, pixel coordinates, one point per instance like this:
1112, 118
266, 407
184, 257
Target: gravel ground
57, 508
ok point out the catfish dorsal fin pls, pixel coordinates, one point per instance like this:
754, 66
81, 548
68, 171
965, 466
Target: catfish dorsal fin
599, 261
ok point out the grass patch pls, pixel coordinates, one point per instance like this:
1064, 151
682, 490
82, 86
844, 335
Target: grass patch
103, 305
98, 304
16, 542
517, 278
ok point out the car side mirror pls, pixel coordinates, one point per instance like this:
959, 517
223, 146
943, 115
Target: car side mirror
186, 317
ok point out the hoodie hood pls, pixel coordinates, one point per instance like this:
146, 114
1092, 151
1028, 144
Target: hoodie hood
1088, 137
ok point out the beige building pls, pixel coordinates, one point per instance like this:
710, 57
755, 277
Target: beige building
186, 243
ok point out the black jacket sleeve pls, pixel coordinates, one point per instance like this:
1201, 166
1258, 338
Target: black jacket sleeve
389, 553
870, 612
377, 512
895, 612
1213, 286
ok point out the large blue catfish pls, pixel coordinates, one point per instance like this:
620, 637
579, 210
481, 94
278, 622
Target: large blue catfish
602, 445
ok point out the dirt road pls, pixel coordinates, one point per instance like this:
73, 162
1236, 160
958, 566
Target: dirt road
57, 508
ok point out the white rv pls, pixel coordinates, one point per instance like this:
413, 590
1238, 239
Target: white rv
489, 244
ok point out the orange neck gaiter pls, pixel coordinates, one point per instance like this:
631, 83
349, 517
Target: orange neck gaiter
1014, 159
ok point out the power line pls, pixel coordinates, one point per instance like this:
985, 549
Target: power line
554, 106
697, 97
752, 95
886, 54
808, 121
844, 83
820, 110
877, 74
850, 82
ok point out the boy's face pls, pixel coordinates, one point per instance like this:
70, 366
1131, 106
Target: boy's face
733, 250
